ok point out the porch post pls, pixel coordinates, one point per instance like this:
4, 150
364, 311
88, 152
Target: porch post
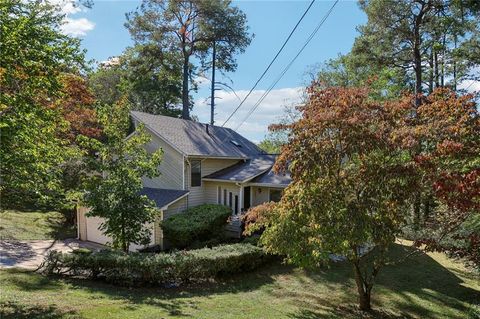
240, 205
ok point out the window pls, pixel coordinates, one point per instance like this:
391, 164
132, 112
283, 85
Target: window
219, 195
225, 197
236, 204
196, 173
230, 199
275, 195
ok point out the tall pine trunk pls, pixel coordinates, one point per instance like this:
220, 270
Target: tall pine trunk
417, 60
185, 98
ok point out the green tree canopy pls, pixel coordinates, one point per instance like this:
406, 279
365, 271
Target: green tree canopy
120, 163
147, 76
190, 28
428, 41
33, 55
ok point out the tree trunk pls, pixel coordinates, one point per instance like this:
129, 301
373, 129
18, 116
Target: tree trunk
417, 205
185, 99
455, 65
430, 72
364, 292
417, 55
437, 83
417, 60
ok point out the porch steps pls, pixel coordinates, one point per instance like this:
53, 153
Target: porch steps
234, 227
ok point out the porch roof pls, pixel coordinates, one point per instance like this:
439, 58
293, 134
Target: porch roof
270, 178
255, 170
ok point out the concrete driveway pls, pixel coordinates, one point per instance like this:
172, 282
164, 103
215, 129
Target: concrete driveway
29, 254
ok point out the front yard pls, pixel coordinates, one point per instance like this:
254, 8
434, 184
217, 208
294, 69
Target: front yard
422, 287
34, 225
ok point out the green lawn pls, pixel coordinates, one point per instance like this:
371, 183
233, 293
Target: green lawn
422, 287
30, 225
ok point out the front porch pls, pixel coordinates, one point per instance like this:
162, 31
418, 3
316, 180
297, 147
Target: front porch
240, 201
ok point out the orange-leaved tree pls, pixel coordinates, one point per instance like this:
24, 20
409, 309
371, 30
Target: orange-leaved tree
351, 181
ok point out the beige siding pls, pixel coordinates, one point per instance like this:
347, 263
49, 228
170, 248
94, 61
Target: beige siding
157, 230
82, 222
176, 208
170, 168
211, 193
201, 194
260, 195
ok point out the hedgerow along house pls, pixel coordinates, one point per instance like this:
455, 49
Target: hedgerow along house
202, 164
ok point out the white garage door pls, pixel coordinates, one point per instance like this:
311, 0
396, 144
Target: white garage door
95, 235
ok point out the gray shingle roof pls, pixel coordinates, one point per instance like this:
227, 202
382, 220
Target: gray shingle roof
161, 196
192, 139
259, 168
270, 177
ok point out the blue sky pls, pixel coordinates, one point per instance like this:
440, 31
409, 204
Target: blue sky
103, 35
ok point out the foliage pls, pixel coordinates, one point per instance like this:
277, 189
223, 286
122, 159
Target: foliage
274, 140
189, 29
150, 78
345, 71
351, 183
427, 42
34, 53
256, 218
271, 145
153, 79
114, 195
158, 269
77, 105
106, 84
199, 223
446, 138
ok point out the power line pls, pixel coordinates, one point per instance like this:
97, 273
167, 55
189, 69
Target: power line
473, 81
271, 62
288, 65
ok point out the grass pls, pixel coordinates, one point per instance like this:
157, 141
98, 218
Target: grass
34, 225
424, 286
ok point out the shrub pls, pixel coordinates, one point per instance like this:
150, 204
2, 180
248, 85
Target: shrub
156, 269
200, 223
256, 218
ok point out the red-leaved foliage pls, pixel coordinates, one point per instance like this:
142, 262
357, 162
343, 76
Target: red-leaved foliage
77, 106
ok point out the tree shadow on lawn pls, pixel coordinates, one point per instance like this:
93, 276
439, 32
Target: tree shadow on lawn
61, 229
398, 288
175, 301
15, 310
418, 287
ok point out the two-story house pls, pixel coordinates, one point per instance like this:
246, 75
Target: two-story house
201, 164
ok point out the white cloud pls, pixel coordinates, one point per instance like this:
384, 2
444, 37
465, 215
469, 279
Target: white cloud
77, 27
256, 126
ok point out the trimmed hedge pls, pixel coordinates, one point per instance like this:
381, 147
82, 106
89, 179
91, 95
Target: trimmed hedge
156, 269
197, 224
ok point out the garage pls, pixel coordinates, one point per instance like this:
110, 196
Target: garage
168, 201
